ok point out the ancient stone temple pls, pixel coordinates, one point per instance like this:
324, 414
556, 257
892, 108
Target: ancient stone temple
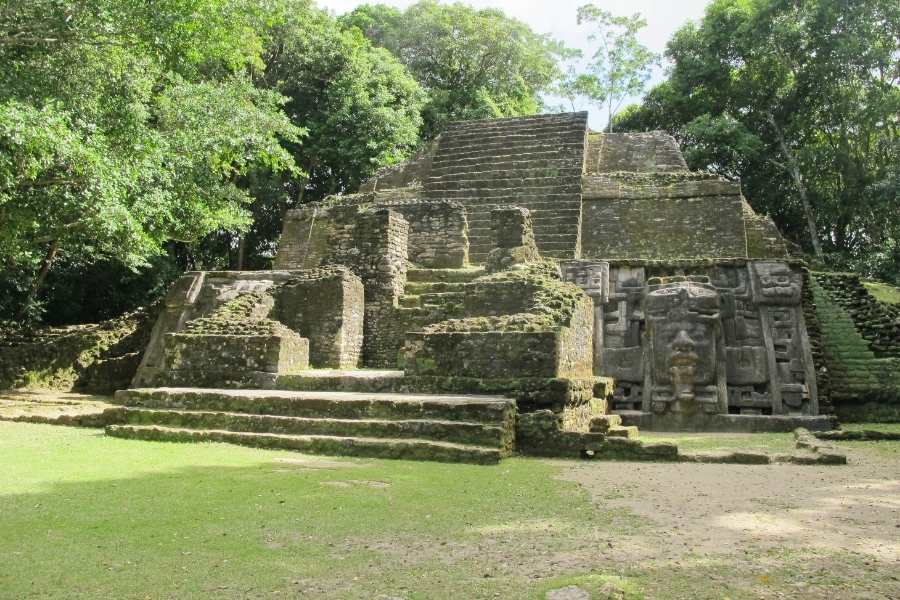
520, 284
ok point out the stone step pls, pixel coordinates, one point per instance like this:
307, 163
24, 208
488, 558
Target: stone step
324, 404
623, 431
568, 227
457, 432
468, 156
488, 194
444, 275
541, 129
544, 130
431, 287
336, 380
442, 298
519, 160
533, 202
523, 174
406, 449
538, 218
410, 301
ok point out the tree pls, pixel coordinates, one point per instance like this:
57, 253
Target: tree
361, 109
126, 125
620, 66
473, 63
800, 100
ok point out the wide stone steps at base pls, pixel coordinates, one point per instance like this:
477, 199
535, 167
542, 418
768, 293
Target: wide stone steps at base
457, 432
406, 449
459, 428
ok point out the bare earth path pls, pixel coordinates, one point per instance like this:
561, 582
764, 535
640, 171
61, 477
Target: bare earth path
815, 530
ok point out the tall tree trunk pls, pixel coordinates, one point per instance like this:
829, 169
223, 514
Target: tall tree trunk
39, 278
794, 169
241, 252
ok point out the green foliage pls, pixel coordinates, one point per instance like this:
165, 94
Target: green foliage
126, 125
821, 76
620, 66
359, 105
473, 63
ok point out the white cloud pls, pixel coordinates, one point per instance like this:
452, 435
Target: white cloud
557, 18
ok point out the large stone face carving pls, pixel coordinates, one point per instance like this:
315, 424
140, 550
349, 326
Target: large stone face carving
700, 338
683, 331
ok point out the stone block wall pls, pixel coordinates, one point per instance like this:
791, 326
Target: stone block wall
668, 216
438, 232
512, 232
763, 238
326, 306
237, 344
328, 232
409, 173
521, 332
651, 152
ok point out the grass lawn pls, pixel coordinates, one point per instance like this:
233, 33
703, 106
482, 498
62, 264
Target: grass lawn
86, 516
883, 292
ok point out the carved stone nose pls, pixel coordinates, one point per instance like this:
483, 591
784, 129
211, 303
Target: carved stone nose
683, 342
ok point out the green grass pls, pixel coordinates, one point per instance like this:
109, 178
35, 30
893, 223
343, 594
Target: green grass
711, 442
883, 292
86, 516
888, 427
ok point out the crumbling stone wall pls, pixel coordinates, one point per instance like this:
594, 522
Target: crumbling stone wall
236, 345
522, 332
301, 298
325, 232
763, 238
409, 173
95, 358
326, 306
512, 232
662, 216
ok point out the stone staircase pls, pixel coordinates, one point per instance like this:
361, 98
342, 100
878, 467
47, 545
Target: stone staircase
533, 162
434, 292
468, 429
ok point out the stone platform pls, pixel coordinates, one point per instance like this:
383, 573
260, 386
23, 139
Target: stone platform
473, 429
647, 421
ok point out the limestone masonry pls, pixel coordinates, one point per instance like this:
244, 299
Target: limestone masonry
519, 285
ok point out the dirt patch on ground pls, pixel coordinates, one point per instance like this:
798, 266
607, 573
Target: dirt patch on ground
782, 528
714, 508
50, 406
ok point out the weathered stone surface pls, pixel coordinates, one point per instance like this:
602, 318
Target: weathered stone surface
702, 337
513, 239
233, 322
476, 429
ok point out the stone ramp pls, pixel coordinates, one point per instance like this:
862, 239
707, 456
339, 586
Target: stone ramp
448, 428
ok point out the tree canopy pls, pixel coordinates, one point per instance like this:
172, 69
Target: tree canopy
473, 63
125, 125
801, 101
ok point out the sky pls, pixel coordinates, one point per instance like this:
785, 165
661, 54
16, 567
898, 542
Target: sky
557, 18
